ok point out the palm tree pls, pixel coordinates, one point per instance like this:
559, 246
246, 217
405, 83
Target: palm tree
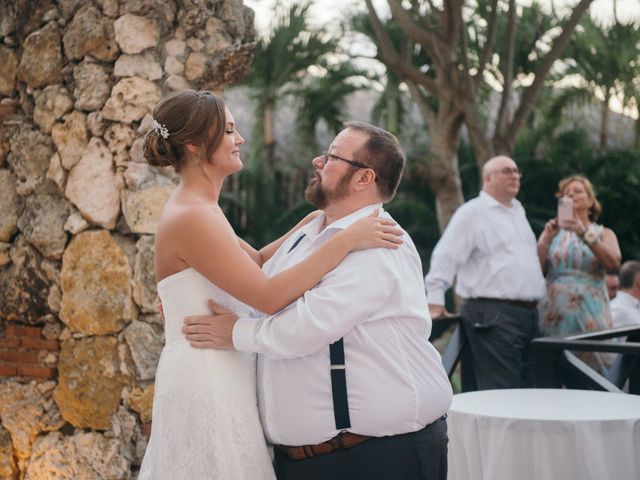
323, 96
280, 62
607, 60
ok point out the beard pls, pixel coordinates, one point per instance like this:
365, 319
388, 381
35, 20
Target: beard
321, 197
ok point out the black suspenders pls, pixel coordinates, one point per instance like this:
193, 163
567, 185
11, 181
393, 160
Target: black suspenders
339, 385
338, 376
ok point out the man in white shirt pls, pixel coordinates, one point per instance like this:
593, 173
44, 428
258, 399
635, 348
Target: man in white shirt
490, 247
349, 386
625, 308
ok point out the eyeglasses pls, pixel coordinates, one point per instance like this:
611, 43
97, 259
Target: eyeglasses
509, 171
326, 156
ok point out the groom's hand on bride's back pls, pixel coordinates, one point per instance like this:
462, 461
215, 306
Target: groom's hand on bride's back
211, 331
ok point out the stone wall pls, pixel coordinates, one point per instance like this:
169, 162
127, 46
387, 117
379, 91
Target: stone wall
80, 334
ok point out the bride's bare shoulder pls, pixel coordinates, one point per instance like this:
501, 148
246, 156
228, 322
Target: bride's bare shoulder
179, 219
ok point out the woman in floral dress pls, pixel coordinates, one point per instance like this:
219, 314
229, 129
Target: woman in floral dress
575, 259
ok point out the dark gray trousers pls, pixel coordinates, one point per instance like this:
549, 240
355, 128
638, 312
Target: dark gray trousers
420, 455
499, 336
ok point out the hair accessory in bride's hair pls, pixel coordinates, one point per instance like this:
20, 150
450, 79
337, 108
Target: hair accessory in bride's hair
161, 129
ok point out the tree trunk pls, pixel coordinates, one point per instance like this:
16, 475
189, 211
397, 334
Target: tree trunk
448, 196
604, 124
482, 147
267, 134
443, 173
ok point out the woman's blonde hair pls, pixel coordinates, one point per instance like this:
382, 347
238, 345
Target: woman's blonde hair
596, 208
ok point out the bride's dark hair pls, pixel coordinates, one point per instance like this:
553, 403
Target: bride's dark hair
187, 117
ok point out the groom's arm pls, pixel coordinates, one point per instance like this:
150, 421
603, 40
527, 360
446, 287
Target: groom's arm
211, 331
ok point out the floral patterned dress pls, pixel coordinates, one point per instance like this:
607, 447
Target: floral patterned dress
577, 299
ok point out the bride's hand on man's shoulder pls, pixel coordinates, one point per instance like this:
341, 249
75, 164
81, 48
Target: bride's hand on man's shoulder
373, 231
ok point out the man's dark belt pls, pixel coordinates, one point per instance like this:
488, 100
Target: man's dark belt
340, 441
528, 304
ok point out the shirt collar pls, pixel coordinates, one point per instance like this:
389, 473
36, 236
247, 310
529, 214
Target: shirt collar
314, 227
489, 201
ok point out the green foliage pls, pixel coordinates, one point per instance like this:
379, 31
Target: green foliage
390, 109
413, 209
323, 98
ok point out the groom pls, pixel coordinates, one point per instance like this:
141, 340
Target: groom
349, 386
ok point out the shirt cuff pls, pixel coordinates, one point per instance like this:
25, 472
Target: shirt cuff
243, 335
435, 297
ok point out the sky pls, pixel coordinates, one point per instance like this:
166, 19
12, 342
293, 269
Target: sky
326, 11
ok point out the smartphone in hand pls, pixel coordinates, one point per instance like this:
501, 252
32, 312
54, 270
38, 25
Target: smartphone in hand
565, 211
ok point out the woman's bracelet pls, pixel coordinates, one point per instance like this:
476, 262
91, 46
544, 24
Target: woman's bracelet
592, 234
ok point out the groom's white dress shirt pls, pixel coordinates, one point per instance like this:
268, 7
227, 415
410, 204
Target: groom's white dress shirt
375, 299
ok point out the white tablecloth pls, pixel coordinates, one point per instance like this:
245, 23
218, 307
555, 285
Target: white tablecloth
544, 434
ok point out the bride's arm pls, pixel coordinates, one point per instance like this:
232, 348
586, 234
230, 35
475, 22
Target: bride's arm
205, 241
266, 252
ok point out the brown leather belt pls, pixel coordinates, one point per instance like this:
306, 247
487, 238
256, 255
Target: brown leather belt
528, 304
340, 441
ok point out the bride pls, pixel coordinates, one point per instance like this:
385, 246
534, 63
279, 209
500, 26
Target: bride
205, 417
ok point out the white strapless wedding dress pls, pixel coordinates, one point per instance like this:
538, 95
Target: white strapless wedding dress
205, 415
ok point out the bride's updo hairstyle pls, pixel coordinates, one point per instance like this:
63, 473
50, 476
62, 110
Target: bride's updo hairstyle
184, 118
